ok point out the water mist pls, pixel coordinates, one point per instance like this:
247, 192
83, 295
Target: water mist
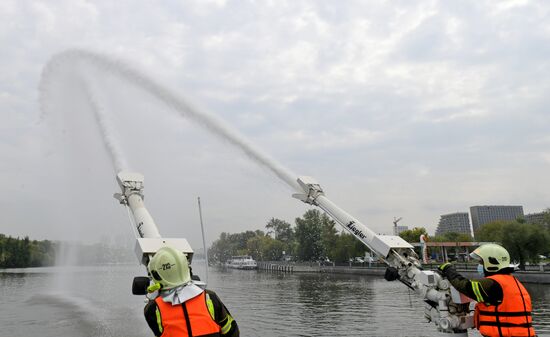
82, 72
83, 63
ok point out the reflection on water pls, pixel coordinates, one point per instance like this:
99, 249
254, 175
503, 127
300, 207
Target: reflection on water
336, 303
97, 301
540, 298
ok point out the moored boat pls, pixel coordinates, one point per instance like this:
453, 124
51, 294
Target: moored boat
241, 262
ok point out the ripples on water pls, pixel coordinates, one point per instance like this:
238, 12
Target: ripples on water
323, 305
97, 301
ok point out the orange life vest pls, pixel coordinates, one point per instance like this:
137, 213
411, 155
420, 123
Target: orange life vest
512, 317
190, 319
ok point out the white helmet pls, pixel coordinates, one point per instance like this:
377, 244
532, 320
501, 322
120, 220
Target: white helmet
169, 267
494, 257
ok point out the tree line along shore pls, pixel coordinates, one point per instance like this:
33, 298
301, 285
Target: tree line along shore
21, 253
312, 237
26, 253
315, 237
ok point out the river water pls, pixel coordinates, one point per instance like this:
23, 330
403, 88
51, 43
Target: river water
97, 301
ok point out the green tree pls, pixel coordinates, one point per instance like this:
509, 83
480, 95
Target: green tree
547, 218
11, 253
265, 248
308, 236
281, 229
240, 240
348, 247
254, 243
524, 241
221, 249
282, 232
45, 255
413, 235
255, 247
329, 236
491, 232
22, 253
452, 237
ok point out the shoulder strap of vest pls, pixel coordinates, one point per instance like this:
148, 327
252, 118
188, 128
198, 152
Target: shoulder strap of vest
527, 314
187, 320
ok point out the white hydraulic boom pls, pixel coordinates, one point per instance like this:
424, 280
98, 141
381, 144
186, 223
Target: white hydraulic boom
444, 304
149, 240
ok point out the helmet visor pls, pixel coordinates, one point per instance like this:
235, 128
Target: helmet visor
474, 256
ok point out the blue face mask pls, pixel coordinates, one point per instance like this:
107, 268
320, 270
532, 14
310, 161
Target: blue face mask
480, 270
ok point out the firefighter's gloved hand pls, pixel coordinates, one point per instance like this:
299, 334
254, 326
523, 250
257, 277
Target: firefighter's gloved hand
391, 274
444, 268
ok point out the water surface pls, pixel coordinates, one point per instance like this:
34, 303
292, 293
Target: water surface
97, 301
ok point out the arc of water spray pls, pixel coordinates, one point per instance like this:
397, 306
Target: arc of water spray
170, 99
109, 140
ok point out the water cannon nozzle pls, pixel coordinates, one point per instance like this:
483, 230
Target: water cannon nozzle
130, 183
312, 190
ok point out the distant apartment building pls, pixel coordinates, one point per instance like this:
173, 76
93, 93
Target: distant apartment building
536, 218
458, 222
485, 214
399, 229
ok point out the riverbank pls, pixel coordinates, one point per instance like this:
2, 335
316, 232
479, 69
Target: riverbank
375, 269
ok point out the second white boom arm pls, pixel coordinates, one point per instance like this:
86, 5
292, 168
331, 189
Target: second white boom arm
444, 305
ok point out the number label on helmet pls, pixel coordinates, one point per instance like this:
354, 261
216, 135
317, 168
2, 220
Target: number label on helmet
167, 266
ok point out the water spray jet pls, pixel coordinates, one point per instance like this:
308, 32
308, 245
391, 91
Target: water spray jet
83, 59
449, 313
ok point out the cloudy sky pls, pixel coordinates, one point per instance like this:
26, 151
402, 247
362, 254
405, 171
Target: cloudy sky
406, 109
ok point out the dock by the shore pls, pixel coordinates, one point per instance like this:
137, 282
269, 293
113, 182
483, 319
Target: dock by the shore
541, 276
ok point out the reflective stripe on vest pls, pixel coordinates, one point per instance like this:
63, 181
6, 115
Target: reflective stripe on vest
228, 319
477, 291
512, 317
190, 319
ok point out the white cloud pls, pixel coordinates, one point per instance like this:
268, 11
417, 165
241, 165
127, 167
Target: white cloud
409, 101
511, 5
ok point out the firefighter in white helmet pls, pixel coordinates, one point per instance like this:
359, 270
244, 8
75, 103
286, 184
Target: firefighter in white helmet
181, 308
